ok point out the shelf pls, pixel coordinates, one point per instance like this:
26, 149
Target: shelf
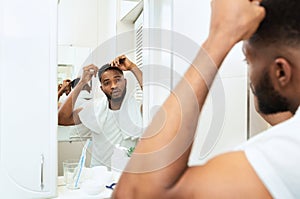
132, 14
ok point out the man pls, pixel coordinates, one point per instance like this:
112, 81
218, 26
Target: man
274, 118
266, 166
85, 94
114, 120
64, 88
76, 131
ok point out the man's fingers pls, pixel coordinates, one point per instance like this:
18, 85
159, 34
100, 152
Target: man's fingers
91, 69
122, 56
118, 61
115, 62
259, 13
121, 59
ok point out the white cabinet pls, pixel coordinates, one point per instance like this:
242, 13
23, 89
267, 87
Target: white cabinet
28, 93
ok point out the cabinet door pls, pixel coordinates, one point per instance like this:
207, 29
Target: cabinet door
28, 94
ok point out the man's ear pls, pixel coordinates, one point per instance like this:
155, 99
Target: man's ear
283, 71
101, 88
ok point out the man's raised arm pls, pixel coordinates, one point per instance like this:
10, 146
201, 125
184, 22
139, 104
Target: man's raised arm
66, 113
158, 167
125, 64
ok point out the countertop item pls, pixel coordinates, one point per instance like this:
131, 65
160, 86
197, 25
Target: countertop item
91, 174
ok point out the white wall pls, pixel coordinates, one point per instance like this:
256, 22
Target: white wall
83, 26
223, 122
239, 119
107, 18
77, 23
157, 66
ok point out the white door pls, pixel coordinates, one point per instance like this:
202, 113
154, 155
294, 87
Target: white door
28, 95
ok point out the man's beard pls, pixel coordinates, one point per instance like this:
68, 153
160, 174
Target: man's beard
269, 100
118, 99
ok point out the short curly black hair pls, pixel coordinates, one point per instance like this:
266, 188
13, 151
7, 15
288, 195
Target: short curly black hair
281, 26
106, 67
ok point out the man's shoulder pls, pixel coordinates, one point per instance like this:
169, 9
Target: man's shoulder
94, 114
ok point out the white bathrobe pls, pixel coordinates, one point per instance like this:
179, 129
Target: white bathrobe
111, 128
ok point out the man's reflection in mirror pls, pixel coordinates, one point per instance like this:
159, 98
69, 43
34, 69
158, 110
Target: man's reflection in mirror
63, 90
114, 120
84, 95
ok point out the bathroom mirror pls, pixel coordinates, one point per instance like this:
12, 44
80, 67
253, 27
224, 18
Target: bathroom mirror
94, 32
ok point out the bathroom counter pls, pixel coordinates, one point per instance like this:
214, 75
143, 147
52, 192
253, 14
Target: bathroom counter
65, 193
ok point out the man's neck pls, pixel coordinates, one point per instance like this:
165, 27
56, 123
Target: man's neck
115, 105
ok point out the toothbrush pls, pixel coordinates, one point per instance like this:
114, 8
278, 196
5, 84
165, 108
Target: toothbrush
81, 162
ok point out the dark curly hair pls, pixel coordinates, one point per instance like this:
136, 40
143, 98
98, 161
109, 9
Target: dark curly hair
107, 67
281, 26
